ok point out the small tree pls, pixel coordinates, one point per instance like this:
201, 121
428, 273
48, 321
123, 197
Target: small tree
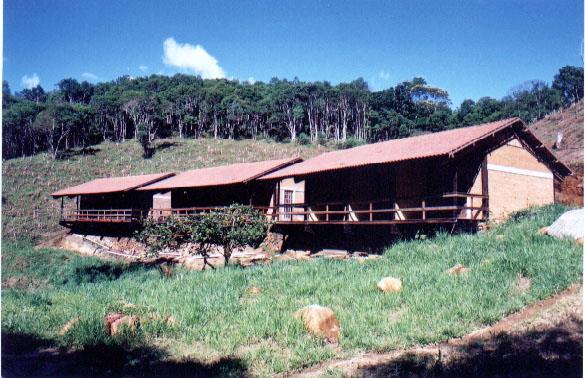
143, 137
230, 228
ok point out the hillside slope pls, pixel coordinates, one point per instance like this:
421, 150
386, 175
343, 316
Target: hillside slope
29, 211
569, 122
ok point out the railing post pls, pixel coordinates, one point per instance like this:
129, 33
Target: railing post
327, 213
424, 213
371, 214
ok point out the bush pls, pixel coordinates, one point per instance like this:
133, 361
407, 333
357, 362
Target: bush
143, 137
231, 227
303, 139
350, 143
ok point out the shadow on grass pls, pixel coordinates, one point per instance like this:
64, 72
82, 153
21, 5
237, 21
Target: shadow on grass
553, 352
29, 356
88, 151
164, 145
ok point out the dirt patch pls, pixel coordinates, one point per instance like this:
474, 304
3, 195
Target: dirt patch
544, 339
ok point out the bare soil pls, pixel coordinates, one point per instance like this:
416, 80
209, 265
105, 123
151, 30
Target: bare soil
544, 339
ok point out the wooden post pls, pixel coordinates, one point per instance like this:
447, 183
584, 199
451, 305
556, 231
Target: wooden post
327, 213
424, 213
485, 202
455, 215
371, 214
276, 210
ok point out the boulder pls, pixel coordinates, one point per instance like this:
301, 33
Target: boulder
127, 321
68, 326
390, 285
570, 225
254, 290
320, 321
115, 321
543, 231
458, 269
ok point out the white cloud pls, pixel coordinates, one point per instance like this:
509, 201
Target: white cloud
384, 75
193, 58
251, 80
30, 82
143, 68
89, 76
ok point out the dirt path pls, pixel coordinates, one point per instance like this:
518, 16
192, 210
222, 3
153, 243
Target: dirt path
544, 339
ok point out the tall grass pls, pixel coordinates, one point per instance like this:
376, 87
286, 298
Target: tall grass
215, 316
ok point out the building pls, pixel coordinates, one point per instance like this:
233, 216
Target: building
107, 200
456, 177
462, 176
205, 188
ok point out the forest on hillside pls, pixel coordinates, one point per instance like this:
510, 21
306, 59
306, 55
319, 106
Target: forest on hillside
78, 114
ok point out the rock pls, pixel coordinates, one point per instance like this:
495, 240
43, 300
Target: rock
390, 285
570, 224
543, 231
320, 321
115, 321
254, 290
336, 254
68, 326
126, 321
458, 269
273, 242
171, 321
522, 284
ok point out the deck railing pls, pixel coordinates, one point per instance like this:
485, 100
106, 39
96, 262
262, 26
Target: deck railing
450, 207
110, 215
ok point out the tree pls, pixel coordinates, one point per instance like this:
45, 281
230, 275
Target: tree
231, 227
143, 138
36, 94
569, 81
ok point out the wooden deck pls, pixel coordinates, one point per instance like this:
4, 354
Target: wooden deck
465, 207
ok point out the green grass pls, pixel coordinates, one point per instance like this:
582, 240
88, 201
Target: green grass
27, 182
215, 317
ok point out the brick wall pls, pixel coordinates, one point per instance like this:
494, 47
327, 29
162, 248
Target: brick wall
516, 180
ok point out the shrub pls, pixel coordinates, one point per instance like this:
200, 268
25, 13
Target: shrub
303, 139
143, 137
231, 227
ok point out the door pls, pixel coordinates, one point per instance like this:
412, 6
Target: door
288, 200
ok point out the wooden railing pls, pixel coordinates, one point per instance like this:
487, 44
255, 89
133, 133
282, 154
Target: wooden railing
113, 215
450, 207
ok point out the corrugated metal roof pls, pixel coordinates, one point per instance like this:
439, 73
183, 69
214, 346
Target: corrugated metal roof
392, 151
111, 184
222, 175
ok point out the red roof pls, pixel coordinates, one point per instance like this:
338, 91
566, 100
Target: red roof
222, 175
443, 143
111, 184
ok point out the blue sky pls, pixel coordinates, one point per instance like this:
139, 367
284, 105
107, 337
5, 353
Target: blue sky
470, 48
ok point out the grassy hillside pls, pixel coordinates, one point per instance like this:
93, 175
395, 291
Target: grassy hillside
570, 123
27, 182
219, 328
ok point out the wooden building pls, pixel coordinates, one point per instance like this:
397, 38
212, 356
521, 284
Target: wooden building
462, 176
457, 176
111, 199
206, 188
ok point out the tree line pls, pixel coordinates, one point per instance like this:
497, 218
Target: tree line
78, 114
